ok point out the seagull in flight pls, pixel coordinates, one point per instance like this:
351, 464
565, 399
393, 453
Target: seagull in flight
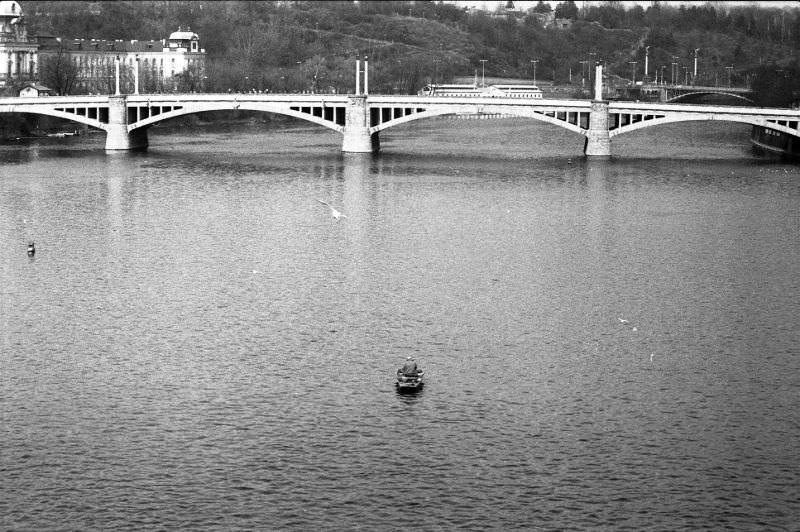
622, 320
335, 213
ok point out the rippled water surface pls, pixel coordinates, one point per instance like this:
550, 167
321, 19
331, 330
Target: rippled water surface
199, 345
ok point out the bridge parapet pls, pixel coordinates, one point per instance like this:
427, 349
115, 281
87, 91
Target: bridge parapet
360, 118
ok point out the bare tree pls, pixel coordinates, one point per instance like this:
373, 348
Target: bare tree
58, 71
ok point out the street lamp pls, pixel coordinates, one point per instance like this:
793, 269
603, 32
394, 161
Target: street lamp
583, 72
483, 72
136, 76
662, 74
729, 68
116, 71
685, 75
696, 50
366, 75
633, 72
533, 62
674, 69
646, 61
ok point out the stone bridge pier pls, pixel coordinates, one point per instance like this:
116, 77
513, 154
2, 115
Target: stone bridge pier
598, 141
117, 135
357, 138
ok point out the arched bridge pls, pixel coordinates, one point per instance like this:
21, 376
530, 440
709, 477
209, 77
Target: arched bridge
687, 93
360, 118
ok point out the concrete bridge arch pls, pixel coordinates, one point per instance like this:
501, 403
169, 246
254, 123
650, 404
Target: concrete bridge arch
190, 109
783, 126
685, 96
566, 121
93, 116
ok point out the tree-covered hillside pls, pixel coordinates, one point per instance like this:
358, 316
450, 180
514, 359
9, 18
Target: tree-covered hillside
295, 46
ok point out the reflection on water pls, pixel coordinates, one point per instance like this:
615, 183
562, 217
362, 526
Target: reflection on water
199, 344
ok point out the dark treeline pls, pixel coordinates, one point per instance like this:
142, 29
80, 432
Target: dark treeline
311, 46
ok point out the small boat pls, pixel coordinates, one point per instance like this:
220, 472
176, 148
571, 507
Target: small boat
409, 382
62, 134
768, 141
31, 249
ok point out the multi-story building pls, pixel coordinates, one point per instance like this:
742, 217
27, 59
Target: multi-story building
175, 63
18, 54
81, 66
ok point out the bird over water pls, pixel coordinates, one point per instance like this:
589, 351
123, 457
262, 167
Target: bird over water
334, 212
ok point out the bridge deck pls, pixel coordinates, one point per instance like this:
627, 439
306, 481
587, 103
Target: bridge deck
370, 114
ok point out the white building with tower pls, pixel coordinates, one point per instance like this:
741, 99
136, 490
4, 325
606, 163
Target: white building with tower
18, 54
175, 63
89, 65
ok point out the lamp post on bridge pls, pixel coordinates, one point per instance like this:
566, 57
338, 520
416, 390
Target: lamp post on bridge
136, 76
533, 62
583, 72
646, 62
116, 75
729, 68
593, 62
685, 75
633, 72
663, 67
483, 72
358, 76
696, 50
674, 69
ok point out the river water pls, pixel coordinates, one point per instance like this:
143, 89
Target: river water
197, 344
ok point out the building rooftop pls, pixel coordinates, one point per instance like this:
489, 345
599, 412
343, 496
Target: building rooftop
10, 9
183, 36
99, 45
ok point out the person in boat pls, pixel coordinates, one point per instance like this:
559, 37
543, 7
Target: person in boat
410, 367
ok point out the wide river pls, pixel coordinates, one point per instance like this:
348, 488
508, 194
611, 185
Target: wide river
198, 344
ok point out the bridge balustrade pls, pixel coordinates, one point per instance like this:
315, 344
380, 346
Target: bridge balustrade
360, 118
